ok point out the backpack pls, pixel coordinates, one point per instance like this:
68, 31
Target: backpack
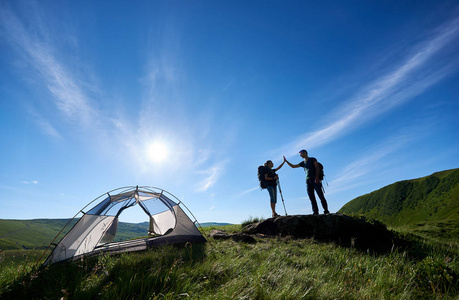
321, 171
261, 176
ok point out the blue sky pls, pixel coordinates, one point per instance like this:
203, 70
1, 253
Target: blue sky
92, 90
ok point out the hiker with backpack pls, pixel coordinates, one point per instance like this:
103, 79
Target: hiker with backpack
268, 179
313, 180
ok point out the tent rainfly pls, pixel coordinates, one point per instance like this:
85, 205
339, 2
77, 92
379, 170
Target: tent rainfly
95, 230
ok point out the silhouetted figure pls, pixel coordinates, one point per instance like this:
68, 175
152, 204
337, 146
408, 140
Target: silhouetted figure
313, 183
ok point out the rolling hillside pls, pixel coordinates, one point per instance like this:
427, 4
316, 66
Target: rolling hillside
38, 233
428, 201
28, 234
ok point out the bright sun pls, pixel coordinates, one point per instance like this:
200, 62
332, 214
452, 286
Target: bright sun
157, 152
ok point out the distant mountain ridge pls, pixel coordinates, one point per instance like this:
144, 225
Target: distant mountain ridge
208, 224
430, 199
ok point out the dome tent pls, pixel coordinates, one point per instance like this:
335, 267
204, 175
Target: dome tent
94, 232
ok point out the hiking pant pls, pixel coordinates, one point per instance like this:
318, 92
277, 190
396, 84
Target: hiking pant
272, 190
311, 187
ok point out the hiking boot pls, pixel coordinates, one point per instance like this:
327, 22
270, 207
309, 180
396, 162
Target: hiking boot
326, 212
275, 215
315, 214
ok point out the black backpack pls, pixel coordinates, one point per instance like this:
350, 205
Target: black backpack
321, 171
261, 176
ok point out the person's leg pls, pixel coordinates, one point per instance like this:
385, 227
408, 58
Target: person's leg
272, 190
320, 193
312, 197
273, 209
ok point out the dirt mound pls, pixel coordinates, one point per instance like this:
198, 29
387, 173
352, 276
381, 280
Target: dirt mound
341, 229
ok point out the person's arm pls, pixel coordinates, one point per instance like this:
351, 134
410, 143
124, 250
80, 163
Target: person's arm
291, 165
316, 165
280, 166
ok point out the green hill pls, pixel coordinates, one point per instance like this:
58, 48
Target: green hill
28, 234
38, 233
431, 201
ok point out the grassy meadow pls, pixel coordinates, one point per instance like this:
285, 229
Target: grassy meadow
424, 211
273, 268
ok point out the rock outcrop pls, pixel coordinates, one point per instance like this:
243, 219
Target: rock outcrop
341, 229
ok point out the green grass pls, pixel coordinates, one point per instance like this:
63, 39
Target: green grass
251, 220
273, 268
424, 211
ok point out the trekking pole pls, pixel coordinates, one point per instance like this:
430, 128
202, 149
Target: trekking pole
280, 191
323, 189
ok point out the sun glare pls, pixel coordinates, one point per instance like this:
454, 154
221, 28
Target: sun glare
157, 152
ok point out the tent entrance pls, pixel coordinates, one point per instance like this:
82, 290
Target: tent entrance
158, 214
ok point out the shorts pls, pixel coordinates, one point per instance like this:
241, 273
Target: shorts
272, 190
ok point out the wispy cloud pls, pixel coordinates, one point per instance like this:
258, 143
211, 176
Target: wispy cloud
30, 182
212, 174
44, 124
415, 74
47, 128
38, 52
243, 193
375, 159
